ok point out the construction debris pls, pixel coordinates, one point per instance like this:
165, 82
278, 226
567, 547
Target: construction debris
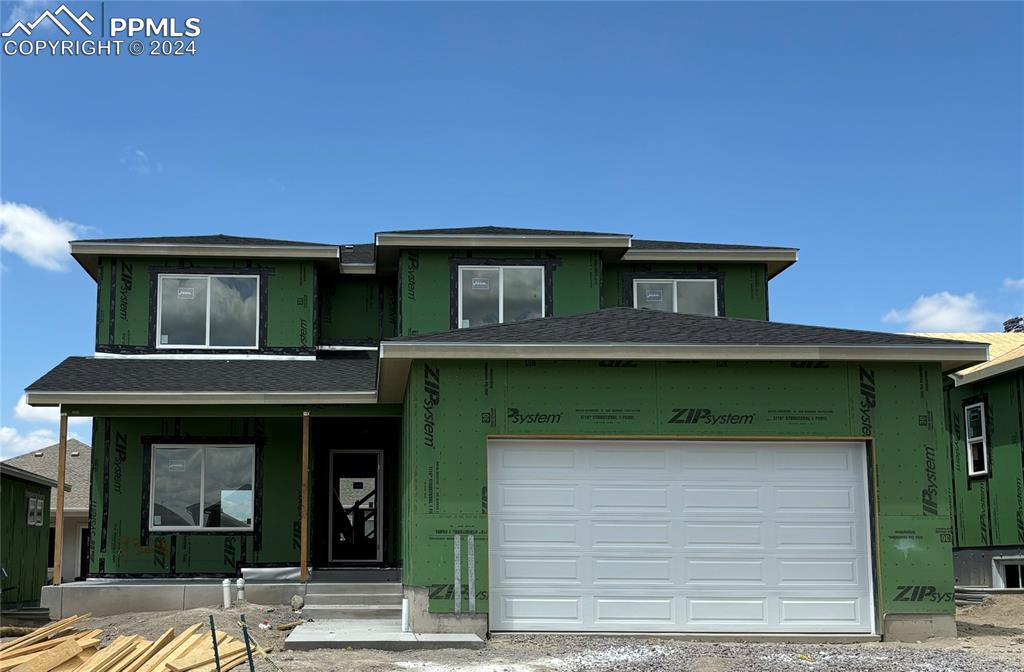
58, 647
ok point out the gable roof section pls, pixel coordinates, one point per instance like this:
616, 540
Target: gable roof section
628, 333
1006, 350
88, 252
76, 473
343, 379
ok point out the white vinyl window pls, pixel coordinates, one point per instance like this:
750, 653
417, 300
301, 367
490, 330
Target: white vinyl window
977, 439
201, 487
35, 515
207, 311
499, 294
696, 296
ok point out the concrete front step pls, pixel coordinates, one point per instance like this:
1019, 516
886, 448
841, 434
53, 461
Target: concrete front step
333, 588
320, 612
322, 599
372, 634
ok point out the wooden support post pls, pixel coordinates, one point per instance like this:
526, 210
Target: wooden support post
58, 531
304, 514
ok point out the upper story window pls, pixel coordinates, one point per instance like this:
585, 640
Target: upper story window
207, 311
497, 294
977, 439
698, 296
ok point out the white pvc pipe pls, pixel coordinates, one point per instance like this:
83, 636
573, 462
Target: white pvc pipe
241, 589
405, 614
226, 584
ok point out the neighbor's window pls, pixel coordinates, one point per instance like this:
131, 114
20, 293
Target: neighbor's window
34, 506
497, 294
208, 311
977, 445
201, 487
698, 296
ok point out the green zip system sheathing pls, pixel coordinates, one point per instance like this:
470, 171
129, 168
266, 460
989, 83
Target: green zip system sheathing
744, 287
356, 309
426, 283
121, 544
126, 309
23, 547
989, 510
451, 407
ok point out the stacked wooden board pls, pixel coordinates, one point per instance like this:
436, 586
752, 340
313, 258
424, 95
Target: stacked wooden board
59, 647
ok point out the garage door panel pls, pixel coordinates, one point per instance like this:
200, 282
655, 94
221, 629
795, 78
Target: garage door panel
653, 610
614, 571
627, 499
689, 536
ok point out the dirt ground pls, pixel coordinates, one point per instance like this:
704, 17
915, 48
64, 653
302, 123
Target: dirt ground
991, 640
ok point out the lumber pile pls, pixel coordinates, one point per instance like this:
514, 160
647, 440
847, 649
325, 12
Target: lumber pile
60, 647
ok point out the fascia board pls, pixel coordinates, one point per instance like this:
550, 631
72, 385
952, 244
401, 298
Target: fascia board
911, 353
191, 398
192, 250
988, 372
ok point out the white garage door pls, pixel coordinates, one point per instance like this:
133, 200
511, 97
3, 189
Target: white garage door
679, 536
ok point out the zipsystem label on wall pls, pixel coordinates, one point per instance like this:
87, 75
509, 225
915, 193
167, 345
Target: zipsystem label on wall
454, 407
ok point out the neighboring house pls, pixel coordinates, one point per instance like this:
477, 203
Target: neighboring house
545, 430
24, 519
985, 417
76, 503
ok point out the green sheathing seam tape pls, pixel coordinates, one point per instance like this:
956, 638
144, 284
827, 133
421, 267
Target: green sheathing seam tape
745, 285
990, 509
451, 407
125, 315
425, 288
120, 543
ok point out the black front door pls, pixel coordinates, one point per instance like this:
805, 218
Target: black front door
355, 519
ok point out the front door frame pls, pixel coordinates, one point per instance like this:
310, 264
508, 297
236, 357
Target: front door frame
379, 516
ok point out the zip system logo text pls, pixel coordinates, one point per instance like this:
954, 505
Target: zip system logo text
705, 416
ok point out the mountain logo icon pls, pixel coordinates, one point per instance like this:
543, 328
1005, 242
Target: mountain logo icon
64, 11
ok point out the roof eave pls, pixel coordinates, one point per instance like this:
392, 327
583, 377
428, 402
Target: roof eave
775, 260
115, 398
87, 253
987, 372
30, 476
388, 244
396, 356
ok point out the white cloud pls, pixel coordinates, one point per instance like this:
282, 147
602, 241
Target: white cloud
943, 312
35, 236
1013, 283
137, 161
43, 414
14, 443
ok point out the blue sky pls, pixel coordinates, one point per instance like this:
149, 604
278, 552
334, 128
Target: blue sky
884, 140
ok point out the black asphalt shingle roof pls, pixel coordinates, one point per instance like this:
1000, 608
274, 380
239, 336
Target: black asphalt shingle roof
351, 372
499, 231
629, 326
358, 253
638, 244
216, 239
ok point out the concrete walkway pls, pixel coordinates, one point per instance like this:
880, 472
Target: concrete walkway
363, 633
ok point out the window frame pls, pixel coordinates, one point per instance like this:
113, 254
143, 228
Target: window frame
202, 489
675, 294
209, 296
970, 441
501, 287
34, 514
